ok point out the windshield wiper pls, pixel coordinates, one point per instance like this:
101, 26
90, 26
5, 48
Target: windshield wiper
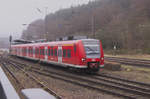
91, 49
93, 53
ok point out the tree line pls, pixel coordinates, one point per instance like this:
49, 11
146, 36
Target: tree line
123, 23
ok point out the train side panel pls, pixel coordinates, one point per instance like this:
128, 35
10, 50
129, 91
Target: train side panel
81, 58
102, 55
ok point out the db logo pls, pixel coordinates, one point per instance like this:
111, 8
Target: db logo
93, 59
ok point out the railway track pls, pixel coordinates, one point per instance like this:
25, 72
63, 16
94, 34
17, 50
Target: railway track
128, 61
100, 82
13, 65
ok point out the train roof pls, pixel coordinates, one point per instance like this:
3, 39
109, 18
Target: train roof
56, 42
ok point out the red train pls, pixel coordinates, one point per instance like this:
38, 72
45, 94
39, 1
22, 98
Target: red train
84, 54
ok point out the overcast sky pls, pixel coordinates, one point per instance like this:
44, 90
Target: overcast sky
14, 13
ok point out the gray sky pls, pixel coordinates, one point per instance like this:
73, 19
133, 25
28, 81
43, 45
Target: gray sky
14, 13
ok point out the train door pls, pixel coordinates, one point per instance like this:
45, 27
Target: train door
60, 54
26, 51
38, 52
17, 51
46, 53
33, 52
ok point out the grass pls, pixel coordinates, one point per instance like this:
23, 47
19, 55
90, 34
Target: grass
136, 56
133, 68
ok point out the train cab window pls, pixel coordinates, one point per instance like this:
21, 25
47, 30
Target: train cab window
69, 53
64, 53
55, 52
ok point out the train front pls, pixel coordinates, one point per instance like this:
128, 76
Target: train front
94, 54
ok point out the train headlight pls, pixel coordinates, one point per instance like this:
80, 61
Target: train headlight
102, 58
83, 59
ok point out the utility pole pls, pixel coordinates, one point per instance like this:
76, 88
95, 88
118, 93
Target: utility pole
92, 22
46, 32
10, 40
45, 22
92, 26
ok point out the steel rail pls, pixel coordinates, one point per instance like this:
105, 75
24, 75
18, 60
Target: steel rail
103, 75
77, 83
128, 61
119, 83
5, 68
83, 85
122, 79
104, 84
127, 89
37, 81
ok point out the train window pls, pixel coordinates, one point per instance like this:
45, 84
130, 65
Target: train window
25, 50
49, 52
22, 50
52, 52
69, 53
55, 52
64, 53
40, 51
43, 52
75, 48
31, 51
35, 51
